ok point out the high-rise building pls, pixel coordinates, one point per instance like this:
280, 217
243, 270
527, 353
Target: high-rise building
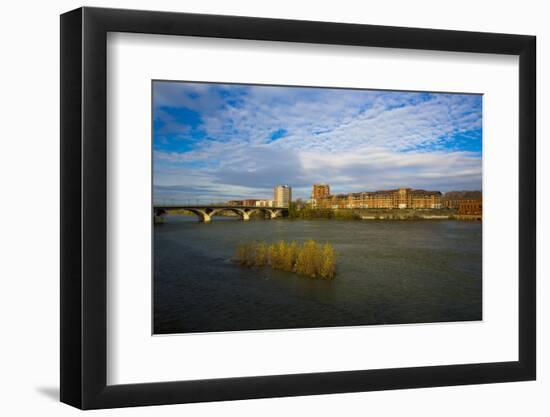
282, 196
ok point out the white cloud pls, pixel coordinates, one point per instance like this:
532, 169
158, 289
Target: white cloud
354, 140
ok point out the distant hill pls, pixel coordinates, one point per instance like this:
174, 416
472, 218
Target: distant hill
462, 195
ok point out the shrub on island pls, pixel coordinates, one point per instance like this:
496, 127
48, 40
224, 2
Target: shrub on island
310, 259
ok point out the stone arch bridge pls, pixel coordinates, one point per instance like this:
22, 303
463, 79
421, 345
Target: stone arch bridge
205, 213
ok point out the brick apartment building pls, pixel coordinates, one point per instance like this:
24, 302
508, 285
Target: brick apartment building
384, 199
319, 192
470, 208
452, 199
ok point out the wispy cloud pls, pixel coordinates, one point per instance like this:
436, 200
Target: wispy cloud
226, 141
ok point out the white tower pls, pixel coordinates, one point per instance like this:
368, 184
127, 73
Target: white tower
282, 196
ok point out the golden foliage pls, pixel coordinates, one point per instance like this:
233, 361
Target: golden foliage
310, 258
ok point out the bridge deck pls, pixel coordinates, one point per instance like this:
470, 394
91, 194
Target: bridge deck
207, 206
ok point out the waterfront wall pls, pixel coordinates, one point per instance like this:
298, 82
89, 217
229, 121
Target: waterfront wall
380, 214
406, 214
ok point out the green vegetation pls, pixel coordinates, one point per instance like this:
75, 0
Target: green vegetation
310, 213
180, 212
311, 259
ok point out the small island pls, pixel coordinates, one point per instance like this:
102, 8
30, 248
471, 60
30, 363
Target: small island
310, 259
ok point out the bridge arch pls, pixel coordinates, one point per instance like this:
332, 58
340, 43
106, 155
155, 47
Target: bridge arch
204, 214
273, 213
245, 213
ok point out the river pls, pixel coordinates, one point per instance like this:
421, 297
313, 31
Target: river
388, 272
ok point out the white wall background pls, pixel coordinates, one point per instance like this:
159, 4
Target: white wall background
29, 175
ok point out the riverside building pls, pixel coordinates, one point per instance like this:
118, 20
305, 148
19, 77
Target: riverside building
250, 202
282, 196
401, 198
264, 203
453, 199
470, 208
319, 192
235, 203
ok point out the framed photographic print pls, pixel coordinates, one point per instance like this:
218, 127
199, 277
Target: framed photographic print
258, 207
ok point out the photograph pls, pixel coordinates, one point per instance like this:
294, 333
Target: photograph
293, 207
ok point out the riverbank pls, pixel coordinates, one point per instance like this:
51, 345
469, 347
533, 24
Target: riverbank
349, 214
380, 214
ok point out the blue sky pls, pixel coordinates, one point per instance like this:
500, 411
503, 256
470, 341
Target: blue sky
226, 141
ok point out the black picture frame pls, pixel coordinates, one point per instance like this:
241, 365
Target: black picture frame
84, 207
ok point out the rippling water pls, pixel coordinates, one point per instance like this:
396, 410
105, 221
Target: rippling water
388, 272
